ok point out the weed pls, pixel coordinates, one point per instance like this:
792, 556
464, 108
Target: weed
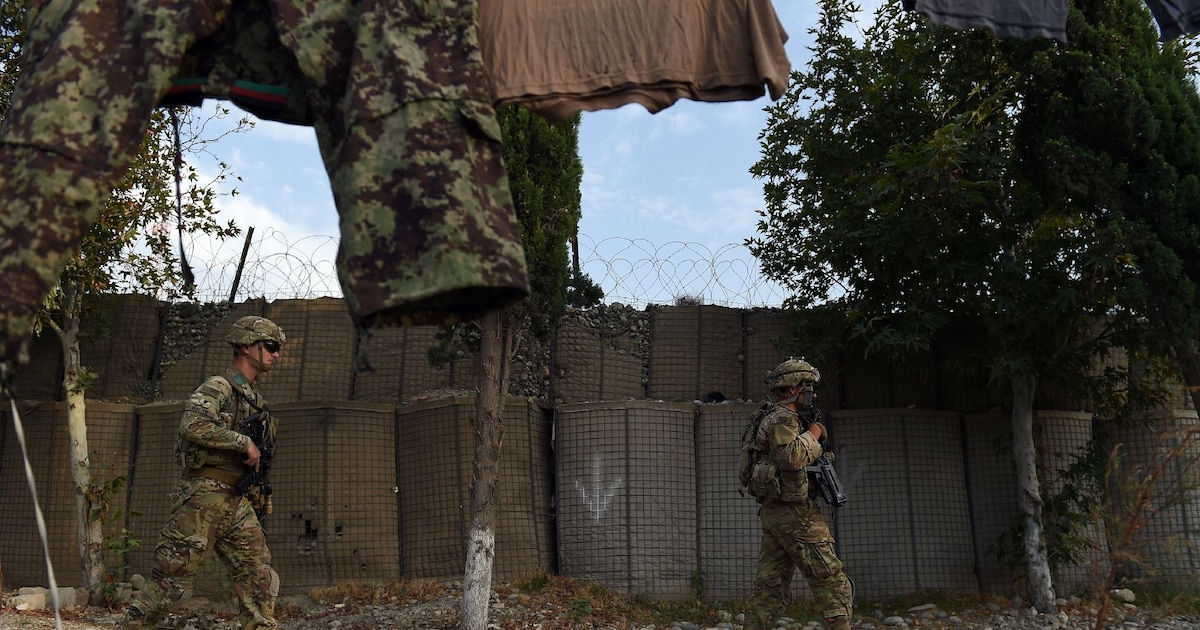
373, 593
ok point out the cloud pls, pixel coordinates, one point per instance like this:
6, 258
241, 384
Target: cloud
284, 260
280, 132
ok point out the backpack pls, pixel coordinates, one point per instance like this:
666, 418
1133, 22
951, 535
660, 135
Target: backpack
757, 472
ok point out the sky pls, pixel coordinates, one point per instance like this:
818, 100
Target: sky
668, 200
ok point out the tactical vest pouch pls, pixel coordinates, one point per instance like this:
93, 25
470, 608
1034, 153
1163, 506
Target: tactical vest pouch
793, 485
191, 457
764, 480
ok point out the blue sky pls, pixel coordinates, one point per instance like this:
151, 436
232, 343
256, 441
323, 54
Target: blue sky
650, 183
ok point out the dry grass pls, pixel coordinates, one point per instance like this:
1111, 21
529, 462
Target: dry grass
378, 593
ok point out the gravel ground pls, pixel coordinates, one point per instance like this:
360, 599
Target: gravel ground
513, 610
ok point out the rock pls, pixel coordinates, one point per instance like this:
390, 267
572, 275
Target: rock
29, 601
894, 621
1123, 595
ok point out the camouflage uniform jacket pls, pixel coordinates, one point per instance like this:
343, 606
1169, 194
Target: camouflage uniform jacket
792, 448
210, 443
397, 94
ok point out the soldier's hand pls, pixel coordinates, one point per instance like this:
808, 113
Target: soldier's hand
817, 429
252, 456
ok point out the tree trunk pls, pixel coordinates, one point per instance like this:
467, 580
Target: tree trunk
489, 432
1029, 496
1189, 368
89, 531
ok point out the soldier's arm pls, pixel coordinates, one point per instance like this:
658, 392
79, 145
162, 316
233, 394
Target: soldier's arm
203, 422
793, 448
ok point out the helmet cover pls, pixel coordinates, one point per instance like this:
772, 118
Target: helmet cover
791, 373
251, 329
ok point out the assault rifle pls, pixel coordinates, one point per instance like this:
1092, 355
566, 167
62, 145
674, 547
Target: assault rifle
257, 430
827, 481
821, 471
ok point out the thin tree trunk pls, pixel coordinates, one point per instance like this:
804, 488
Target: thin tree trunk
1029, 496
89, 533
489, 432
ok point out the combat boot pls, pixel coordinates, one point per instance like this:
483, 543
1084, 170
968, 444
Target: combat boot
137, 620
840, 622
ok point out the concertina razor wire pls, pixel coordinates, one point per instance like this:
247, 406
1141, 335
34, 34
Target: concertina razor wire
632, 271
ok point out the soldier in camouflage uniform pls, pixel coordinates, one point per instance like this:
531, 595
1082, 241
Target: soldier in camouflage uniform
396, 91
794, 532
216, 452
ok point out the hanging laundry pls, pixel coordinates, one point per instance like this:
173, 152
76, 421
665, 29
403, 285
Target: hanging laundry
1175, 17
1026, 19
559, 57
396, 91
1020, 19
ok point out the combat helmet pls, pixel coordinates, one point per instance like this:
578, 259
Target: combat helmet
252, 329
792, 372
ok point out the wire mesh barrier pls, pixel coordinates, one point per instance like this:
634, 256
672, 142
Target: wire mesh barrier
373, 471
633, 271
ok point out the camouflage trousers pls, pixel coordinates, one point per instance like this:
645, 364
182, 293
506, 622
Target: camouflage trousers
396, 92
795, 536
207, 514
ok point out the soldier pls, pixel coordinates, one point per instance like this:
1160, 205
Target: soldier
217, 502
794, 533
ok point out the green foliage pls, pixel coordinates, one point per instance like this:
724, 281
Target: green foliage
12, 32
1178, 596
103, 497
544, 174
920, 179
1069, 516
580, 607
533, 583
697, 585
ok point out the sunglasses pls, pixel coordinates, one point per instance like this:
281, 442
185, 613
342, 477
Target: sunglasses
271, 346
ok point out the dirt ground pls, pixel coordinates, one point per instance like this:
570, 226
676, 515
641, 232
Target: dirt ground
555, 603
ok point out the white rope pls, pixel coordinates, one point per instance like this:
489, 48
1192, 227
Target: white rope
37, 510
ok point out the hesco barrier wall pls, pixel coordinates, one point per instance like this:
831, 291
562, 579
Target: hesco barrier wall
627, 496
434, 458
907, 526
593, 364
48, 443
641, 494
1169, 540
991, 474
677, 353
334, 504
1062, 438
362, 491
646, 495
729, 533
991, 482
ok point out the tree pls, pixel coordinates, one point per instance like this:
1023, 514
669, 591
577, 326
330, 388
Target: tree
1119, 134
129, 248
900, 204
544, 171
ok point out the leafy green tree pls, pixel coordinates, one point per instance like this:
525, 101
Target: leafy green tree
1118, 135
128, 249
915, 183
544, 172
